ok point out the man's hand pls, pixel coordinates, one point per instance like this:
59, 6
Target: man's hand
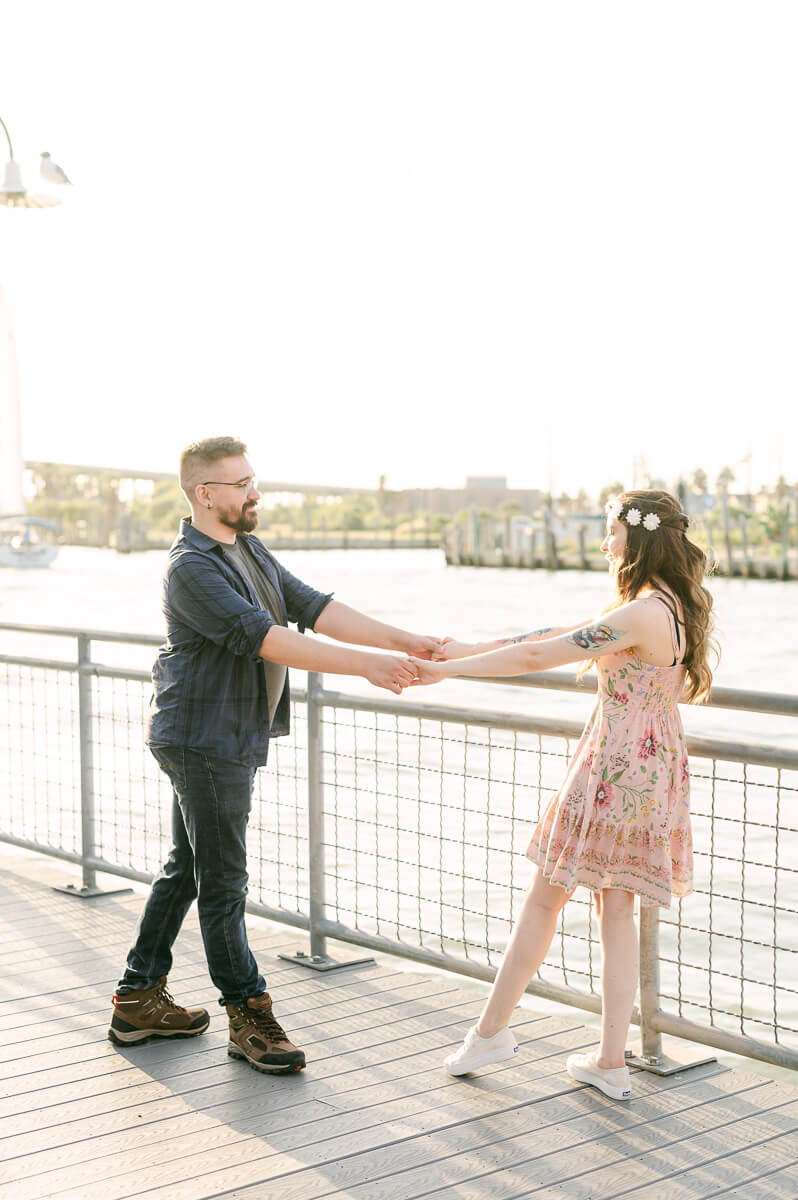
450, 649
386, 671
418, 646
427, 672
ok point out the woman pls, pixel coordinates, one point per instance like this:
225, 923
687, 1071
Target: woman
620, 823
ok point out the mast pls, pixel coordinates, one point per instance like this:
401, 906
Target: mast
11, 462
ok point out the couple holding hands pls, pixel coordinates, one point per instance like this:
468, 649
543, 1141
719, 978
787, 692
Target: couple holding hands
619, 824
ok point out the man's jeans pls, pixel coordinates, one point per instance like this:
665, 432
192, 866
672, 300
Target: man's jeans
208, 860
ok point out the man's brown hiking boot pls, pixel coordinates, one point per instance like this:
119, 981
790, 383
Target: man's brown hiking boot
256, 1037
138, 1016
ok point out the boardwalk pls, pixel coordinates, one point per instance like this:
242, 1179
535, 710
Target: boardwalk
372, 1118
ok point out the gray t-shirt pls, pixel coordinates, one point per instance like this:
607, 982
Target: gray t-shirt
269, 600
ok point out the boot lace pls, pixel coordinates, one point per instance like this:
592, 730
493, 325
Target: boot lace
164, 996
266, 1022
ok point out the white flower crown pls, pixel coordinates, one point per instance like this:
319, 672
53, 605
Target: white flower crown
650, 521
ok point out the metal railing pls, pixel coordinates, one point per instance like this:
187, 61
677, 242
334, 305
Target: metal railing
396, 825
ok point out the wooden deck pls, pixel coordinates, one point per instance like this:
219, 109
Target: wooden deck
373, 1117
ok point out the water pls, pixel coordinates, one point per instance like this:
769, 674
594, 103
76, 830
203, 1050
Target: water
415, 589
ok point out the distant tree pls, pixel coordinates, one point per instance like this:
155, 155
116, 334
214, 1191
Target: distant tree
700, 481
390, 501
658, 485
582, 501
606, 493
357, 511
168, 505
782, 489
53, 481
725, 477
773, 522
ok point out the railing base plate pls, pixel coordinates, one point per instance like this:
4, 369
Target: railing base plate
665, 1064
322, 962
89, 893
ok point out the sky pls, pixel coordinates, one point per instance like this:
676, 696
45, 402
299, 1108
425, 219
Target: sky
425, 240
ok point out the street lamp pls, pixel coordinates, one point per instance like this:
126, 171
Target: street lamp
23, 539
13, 193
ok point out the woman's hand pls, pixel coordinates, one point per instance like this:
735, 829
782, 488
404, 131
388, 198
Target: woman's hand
427, 672
451, 649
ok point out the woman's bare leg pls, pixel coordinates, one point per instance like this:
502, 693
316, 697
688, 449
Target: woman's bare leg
525, 952
619, 972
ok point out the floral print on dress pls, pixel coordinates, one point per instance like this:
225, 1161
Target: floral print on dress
622, 816
648, 746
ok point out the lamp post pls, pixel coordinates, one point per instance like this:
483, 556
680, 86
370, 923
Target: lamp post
13, 193
22, 544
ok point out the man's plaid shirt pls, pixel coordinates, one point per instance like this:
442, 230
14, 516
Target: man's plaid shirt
209, 686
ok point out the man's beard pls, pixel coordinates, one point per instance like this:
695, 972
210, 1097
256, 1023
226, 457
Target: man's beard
245, 522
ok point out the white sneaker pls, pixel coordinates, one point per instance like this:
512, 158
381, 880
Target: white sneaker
614, 1082
477, 1051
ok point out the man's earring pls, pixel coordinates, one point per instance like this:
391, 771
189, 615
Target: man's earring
209, 504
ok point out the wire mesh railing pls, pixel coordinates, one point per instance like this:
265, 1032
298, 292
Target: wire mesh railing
402, 826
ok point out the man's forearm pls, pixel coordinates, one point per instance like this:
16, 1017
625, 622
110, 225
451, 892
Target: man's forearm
346, 624
292, 649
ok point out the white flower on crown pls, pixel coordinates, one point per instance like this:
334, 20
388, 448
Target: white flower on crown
613, 508
633, 516
651, 522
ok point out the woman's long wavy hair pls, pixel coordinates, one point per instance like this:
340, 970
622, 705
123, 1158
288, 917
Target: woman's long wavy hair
666, 555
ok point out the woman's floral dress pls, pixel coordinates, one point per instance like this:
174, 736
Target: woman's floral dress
622, 817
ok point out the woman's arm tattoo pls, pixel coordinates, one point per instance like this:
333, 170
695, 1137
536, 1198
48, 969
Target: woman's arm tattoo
524, 637
594, 635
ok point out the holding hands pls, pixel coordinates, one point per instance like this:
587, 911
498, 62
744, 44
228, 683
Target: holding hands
425, 663
450, 649
417, 646
394, 673
390, 672
428, 672
425, 658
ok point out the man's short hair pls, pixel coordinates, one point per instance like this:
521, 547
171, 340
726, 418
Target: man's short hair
199, 456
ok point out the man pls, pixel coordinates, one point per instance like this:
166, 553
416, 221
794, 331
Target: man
220, 693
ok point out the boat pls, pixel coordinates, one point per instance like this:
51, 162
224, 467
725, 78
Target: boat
27, 541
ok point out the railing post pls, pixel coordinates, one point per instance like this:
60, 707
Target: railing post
318, 958
651, 1039
651, 1056
89, 888
318, 943
86, 762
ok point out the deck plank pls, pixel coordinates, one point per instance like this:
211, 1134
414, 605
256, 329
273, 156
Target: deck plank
373, 1117
453, 1127
404, 1167
425, 1099
341, 1015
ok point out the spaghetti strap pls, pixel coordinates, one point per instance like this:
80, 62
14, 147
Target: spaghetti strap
676, 641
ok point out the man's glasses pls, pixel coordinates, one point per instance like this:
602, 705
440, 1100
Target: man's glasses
244, 485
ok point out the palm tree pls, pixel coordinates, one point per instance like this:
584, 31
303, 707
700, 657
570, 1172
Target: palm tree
700, 481
725, 477
612, 489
